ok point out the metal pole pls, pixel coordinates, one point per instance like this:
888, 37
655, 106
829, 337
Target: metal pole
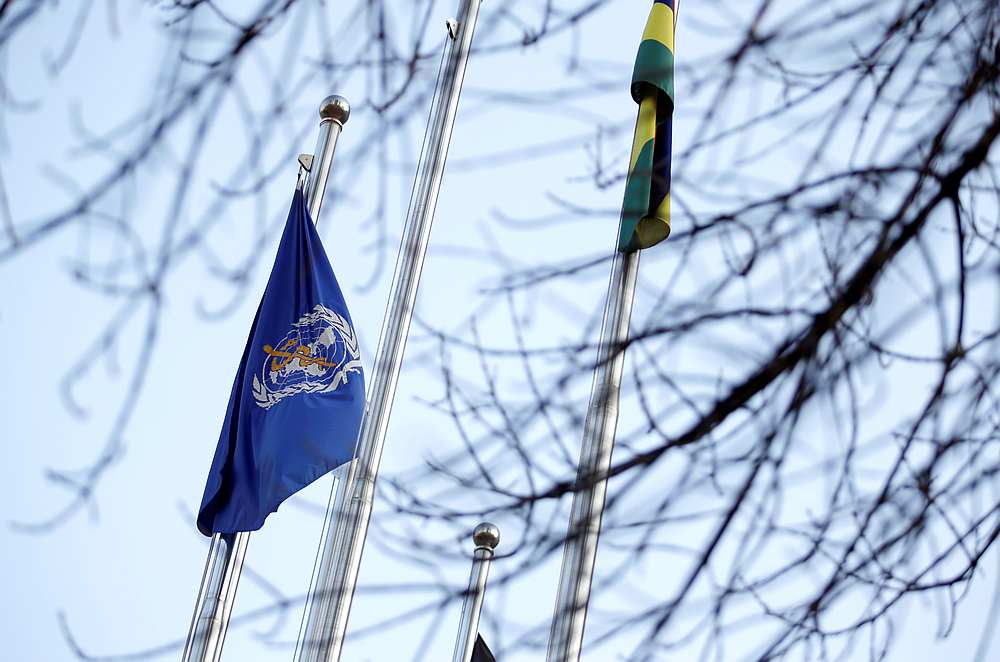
334, 112
580, 551
227, 551
486, 537
342, 545
215, 597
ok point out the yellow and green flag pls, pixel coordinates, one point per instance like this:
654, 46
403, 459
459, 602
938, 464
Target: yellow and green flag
646, 210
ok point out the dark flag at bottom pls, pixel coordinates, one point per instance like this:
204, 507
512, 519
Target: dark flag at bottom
481, 652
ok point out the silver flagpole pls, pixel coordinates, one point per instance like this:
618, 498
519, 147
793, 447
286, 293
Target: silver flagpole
227, 551
486, 538
215, 597
334, 112
338, 559
580, 551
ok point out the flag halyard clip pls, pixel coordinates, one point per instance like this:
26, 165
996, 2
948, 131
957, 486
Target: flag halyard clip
305, 167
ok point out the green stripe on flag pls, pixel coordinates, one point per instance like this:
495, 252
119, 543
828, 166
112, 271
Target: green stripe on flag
654, 65
636, 203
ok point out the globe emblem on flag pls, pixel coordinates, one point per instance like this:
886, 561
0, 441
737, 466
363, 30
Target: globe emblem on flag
317, 355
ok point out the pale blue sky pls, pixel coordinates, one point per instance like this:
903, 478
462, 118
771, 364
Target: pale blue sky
126, 575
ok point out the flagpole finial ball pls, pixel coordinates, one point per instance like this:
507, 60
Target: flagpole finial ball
486, 535
336, 108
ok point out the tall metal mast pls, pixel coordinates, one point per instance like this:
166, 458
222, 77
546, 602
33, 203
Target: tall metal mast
486, 537
580, 551
227, 551
338, 559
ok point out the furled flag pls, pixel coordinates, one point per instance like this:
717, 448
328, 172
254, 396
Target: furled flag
481, 652
299, 394
646, 210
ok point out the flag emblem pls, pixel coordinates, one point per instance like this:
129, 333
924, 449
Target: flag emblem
317, 355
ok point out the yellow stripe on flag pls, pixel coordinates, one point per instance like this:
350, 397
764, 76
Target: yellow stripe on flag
645, 129
660, 26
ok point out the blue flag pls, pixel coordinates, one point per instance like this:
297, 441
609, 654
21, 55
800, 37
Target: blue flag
299, 394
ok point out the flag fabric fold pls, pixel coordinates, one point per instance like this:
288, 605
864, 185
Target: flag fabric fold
645, 217
298, 399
